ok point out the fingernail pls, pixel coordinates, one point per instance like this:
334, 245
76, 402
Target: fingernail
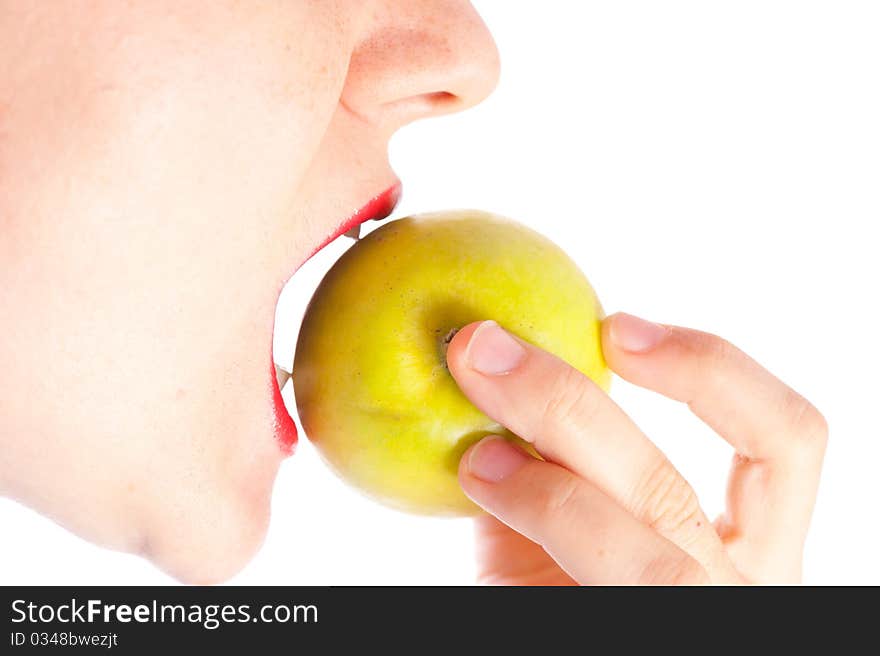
635, 335
493, 459
492, 351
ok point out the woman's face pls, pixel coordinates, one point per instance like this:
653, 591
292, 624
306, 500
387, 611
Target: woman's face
164, 167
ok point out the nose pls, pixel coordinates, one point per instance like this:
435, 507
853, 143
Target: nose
420, 58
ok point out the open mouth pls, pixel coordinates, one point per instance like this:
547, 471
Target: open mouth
377, 208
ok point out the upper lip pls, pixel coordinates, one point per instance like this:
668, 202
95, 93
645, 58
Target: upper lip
378, 207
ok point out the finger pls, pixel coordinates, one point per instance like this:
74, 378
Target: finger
779, 436
572, 422
757, 413
592, 538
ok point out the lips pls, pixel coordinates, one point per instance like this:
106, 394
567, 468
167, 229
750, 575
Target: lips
378, 207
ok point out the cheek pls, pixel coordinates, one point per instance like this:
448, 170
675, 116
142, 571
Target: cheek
160, 112
145, 238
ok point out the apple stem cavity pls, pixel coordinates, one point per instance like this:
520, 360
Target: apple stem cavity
444, 343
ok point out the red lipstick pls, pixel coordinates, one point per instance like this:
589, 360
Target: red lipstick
378, 207
285, 428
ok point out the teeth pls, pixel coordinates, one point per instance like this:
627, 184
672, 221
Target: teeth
354, 232
282, 376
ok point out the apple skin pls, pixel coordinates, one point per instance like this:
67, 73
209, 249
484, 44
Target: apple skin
372, 389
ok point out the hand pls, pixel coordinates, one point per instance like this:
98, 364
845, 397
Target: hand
605, 506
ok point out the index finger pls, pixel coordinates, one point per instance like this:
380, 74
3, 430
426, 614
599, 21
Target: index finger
572, 422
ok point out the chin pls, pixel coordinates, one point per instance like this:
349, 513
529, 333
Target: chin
207, 512
210, 555
203, 512
204, 537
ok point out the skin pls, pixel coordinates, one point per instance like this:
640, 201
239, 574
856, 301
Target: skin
605, 505
164, 168
166, 165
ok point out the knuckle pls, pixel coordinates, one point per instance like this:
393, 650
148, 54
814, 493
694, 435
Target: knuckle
673, 570
666, 502
720, 350
712, 348
571, 399
560, 499
712, 355
807, 425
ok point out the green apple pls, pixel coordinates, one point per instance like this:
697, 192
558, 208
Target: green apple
370, 378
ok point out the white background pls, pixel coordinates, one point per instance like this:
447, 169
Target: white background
709, 164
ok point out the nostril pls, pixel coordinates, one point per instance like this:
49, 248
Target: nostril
424, 104
441, 98
444, 102
436, 98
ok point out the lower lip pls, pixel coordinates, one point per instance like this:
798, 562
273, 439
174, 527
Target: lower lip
378, 207
284, 426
